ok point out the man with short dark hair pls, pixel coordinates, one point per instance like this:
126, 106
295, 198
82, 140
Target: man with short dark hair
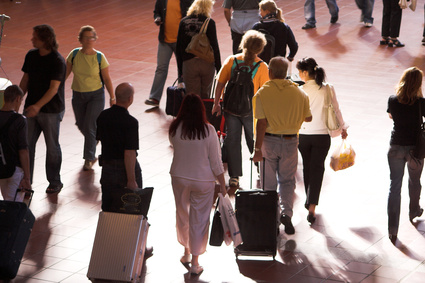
280, 107
17, 146
44, 79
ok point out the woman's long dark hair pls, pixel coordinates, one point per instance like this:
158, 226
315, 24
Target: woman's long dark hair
314, 71
193, 118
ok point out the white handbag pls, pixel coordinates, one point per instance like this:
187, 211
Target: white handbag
229, 222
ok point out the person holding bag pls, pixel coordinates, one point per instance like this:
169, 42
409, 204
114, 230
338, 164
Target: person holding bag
196, 166
314, 137
196, 72
406, 108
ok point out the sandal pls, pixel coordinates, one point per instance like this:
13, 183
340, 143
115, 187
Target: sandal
384, 41
395, 43
54, 189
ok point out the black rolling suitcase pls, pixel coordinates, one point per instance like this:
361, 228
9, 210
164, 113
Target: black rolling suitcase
256, 212
16, 222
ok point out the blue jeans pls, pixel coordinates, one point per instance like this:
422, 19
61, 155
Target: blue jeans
232, 143
367, 9
49, 124
87, 107
398, 156
310, 10
165, 51
281, 160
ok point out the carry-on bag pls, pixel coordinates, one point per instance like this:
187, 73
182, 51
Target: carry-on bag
16, 222
256, 212
174, 99
118, 248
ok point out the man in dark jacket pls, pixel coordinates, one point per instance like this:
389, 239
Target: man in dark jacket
167, 16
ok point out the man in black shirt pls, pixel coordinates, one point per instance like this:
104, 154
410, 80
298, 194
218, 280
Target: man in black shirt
44, 79
118, 132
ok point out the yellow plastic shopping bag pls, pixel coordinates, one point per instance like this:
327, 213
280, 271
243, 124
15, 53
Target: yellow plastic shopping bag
343, 156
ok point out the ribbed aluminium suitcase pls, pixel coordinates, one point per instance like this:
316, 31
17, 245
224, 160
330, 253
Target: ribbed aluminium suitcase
119, 247
16, 222
256, 212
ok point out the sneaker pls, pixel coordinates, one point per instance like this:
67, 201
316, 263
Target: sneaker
88, 164
234, 182
196, 269
152, 102
368, 25
308, 26
286, 221
334, 19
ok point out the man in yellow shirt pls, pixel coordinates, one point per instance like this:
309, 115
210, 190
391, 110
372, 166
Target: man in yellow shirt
167, 16
280, 107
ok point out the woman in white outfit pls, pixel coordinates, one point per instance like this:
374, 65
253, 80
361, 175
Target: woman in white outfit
314, 138
195, 167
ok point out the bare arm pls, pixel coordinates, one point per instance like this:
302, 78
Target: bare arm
227, 15
260, 132
24, 83
68, 69
130, 164
25, 164
222, 182
32, 110
108, 84
218, 94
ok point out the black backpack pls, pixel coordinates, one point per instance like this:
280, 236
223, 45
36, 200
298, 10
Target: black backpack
240, 90
268, 51
8, 160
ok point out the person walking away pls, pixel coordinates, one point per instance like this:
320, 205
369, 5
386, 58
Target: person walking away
406, 109
88, 93
366, 6
310, 13
44, 80
280, 107
391, 22
14, 151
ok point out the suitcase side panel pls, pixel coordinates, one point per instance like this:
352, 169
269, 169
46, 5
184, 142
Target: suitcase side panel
16, 222
256, 212
116, 250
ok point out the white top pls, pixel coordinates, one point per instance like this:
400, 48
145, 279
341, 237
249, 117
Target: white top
198, 160
317, 97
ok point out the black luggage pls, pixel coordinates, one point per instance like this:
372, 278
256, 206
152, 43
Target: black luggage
256, 212
16, 222
174, 99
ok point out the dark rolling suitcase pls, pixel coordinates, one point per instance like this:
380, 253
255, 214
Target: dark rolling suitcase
256, 212
16, 222
174, 99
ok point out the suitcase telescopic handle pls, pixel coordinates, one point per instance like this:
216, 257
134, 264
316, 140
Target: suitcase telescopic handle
20, 190
264, 170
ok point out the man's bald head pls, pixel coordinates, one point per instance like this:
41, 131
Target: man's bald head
278, 68
124, 93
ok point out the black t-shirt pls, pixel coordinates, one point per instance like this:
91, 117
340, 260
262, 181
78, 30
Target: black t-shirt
118, 131
17, 133
406, 121
41, 71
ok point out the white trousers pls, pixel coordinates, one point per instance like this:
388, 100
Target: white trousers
194, 200
9, 186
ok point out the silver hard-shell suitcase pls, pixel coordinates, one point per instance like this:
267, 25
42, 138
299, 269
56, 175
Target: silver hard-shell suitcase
119, 247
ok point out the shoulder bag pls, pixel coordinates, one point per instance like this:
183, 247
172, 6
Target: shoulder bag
419, 151
200, 44
331, 120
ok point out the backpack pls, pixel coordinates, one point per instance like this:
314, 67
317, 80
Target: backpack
8, 158
99, 60
240, 90
268, 51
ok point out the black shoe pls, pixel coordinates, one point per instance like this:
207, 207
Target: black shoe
54, 189
393, 238
395, 43
311, 218
308, 26
334, 20
384, 41
286, 221
416, 214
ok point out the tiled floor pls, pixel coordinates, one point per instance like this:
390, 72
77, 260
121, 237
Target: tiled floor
348, 243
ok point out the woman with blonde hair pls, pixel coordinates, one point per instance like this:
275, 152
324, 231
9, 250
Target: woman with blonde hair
407, 109
273, 24
251, 45
91, 75
196, 73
